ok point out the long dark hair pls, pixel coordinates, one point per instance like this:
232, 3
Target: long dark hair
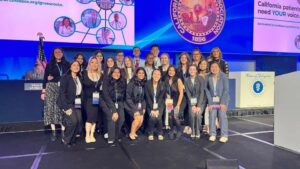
176, 76
136, 80
207, 66
121, 81
69, 71
188, 60
84, 64
53, 60
99, 51
105, 67
156, 69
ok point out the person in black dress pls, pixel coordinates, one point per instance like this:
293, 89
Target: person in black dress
92, 82
173, 101
135, 101
114, 91
69, 100
155, 91
183, 71
54, 70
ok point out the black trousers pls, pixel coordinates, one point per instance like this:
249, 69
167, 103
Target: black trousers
114, 127
155, 122
73, 125
183, 111
102, 118
174, 122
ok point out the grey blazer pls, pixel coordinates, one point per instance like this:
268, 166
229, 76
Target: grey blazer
222, 88
198, 90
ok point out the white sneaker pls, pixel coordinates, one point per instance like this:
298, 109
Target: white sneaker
212, 138
160, 137
223, 139
151, 137
106, 135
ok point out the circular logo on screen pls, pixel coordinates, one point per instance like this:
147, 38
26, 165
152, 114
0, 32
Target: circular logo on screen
258, 87
198, 22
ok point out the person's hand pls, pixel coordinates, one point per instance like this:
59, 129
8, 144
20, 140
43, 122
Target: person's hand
198, 110
50, 77
223, 107
210, 107
137, 113
43, 96
194, 109
68, 112
152, 114
115, 116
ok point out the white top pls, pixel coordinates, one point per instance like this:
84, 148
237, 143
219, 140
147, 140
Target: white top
157, 62
140, 61
117, 24
149, 71
78, 86
66, 31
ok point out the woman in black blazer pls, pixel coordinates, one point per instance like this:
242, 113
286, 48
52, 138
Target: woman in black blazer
69, 100
114, 90
155, 91
135, 100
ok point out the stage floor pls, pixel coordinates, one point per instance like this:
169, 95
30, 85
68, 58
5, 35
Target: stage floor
250, 141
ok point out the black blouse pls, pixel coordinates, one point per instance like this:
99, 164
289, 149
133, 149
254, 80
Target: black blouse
89, 86
55, 69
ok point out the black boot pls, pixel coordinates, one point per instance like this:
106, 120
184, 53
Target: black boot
53, 136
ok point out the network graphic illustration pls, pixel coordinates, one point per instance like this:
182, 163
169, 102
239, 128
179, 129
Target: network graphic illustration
114, 20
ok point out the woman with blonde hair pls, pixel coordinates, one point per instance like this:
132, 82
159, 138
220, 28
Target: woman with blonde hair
92, 81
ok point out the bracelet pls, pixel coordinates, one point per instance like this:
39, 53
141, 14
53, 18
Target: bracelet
43, 92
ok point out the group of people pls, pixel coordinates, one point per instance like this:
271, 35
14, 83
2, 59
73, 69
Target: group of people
152, 92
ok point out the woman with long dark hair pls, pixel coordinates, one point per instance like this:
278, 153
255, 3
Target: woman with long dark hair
114, 92
79, 57
135, 101
155, 91
69, 100
53, 72
175, 94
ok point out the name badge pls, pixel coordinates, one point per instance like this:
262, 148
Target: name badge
117, 105
193, 101
155, 106
169, 104
58, 84
140, 106
78, 103
96, 96
216, 99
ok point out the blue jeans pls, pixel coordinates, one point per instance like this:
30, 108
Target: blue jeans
223, 122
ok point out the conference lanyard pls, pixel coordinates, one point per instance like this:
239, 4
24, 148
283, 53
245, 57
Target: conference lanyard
60, 70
